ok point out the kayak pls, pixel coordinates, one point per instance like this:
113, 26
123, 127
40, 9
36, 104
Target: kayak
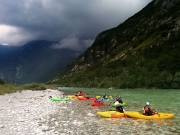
123, 104
101, 96
59, 99
73, 96
111, 114
97, 104
138, 115
84, 98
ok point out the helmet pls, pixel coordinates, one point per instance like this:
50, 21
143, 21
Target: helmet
147, 103
116, 103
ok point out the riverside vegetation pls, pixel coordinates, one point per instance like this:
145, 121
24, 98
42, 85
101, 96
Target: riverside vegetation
12, 88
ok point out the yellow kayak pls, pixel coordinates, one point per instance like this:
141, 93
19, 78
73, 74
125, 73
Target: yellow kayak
155, 116
110, 97
111, 114
73, 96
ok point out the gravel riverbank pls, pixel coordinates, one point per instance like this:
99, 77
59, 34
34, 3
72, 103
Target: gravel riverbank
22, 113
32, 113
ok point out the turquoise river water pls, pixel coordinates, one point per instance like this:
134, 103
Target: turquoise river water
163, 100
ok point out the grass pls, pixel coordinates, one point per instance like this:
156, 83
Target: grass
12, 88
9, 88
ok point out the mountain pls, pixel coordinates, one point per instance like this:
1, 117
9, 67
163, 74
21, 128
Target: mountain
7, 49
36, 61
142, 52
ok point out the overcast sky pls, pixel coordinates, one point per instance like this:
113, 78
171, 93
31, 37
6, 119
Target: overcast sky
66, 21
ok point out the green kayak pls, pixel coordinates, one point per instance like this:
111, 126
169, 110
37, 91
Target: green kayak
59, 99
123, 104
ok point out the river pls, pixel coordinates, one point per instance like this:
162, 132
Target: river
163, 100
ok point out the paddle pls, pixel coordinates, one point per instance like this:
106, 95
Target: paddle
113, 101
125, 114
157, 113
154, 111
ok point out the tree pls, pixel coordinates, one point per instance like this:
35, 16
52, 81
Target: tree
2, 81
165, 79
176, 81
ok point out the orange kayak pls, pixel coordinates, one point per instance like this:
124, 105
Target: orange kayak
84, 98
75, 97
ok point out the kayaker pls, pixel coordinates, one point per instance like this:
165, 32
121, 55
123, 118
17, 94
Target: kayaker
97, 100
119, 107
105, 96
76, 94
87, 96
80, 93
119, 99
147, 110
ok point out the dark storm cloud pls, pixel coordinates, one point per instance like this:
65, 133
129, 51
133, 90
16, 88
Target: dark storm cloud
71, 22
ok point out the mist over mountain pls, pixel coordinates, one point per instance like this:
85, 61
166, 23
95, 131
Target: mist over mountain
142, 52
36, 61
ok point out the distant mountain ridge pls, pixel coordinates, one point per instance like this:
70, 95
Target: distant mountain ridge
35, 61
142, 52
6, 49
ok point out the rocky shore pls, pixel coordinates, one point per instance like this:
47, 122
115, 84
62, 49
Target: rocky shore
32, 113
22, 113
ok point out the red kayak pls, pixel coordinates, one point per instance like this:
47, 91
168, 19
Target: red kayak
97, 103
83, 98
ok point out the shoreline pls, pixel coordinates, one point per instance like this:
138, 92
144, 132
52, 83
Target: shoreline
32, 113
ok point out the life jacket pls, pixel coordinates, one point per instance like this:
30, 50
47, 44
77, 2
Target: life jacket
146, 110
119, 109
80, 94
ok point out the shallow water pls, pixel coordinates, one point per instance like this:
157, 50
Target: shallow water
167, 101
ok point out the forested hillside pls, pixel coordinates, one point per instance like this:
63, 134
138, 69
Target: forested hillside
142, 52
